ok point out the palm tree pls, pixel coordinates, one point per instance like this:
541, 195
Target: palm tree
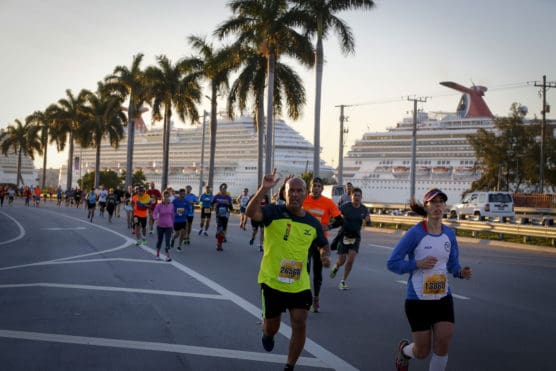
251, 82
270, 27
23, 139
320, 19
129, 82
103, 119
172, 85
68, 116
214, 65
44, 120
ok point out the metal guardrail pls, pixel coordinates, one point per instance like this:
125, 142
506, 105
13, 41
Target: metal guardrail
525, 231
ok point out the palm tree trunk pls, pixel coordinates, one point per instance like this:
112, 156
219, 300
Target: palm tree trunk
269, 117
318, 89
19, 177
45, 146
70, 161
97, 165
213, 125
130, 142
260, 134
166, 148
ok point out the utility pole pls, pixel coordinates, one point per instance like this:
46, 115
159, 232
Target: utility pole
545, 109
413, 169
341, 155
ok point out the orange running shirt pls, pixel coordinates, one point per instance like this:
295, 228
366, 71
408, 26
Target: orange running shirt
140, 211
322, 208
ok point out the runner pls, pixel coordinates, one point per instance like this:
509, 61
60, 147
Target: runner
191, 200
91, 204
26, 195
223, 204
432, 253
141, 203
163, 214
129, 208
155, 196
353, 213
111, 200
180, 218
36, 196
346, 197
2, 195
59, 196
258, 225
11, 196
324, 209
243, 200
285, 282
102, 194
206, 203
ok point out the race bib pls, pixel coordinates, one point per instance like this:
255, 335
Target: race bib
290, 271
349, 240
206, 210
434, 284
222, 211
180, 211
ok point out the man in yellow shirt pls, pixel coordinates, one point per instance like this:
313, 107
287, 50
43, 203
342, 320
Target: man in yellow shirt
289, 233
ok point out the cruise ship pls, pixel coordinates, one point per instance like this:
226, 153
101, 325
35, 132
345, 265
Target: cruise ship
380, 163
235, 158
8, 170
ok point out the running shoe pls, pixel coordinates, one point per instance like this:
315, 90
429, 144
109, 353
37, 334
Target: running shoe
333, 272
157, 258
402, 361
251, 241
138, 243
268, 342
179, 248
343, 285
205, 234
200, 231
261, 248
144, 240
316, 306
219, 248
168, 259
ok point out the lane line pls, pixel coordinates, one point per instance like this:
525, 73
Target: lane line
161, 347
454, 295
19, 226
64, 229
114, 289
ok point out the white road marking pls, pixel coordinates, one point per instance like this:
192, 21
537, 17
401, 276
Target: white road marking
381, 246
114, 289
19, 226
454, 295
64, 229
160, 347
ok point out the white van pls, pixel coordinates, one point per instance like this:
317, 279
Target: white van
484, 205
333, 191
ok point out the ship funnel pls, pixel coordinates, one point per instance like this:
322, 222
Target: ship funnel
471, 103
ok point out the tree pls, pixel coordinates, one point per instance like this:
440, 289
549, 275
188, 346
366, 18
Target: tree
215, 65
320, 20
503, 154
22, 139
67, 116
172, 85
109, 178
44, 121
103, 118
270, 27
251, 82
129, 83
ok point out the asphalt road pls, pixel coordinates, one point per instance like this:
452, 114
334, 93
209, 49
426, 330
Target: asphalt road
76, 295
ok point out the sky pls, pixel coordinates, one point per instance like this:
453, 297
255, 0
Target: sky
402, 49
